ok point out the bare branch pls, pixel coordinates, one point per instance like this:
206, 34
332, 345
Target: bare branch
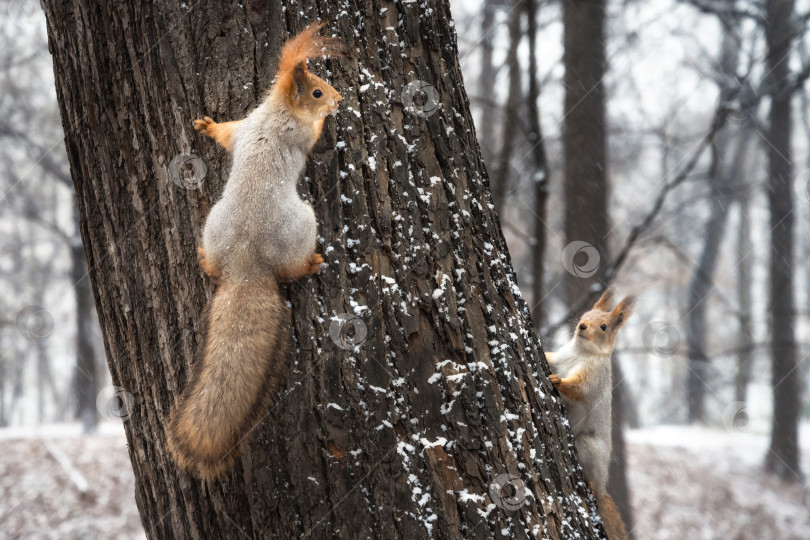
719, 120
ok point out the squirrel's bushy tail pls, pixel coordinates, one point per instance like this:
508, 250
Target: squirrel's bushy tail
611, 518
234, 379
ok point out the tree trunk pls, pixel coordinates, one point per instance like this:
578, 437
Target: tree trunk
415, 390
4, 376
744, 300
586, 189
721, 182
85, 377
540, 176
486, 78
743, 164
618, 488
783, 457
584, 141
511, 112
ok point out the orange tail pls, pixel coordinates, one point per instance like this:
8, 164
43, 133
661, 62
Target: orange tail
612, 519
235, 378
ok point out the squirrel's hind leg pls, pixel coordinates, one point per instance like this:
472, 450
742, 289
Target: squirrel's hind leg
208, 267
308, 267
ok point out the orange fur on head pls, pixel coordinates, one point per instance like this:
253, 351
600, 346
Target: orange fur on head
295, 53
598, 327
309, 98
603, 304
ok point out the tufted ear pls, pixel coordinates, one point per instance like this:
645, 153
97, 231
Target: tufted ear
622, 311
603, 304
299, 79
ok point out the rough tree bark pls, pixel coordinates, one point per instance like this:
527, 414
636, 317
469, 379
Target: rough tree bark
783, 456
414, 381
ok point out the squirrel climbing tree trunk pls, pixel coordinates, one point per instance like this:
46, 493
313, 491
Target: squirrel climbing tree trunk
416, 403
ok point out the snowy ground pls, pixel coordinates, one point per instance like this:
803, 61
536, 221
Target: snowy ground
56, 484
694, 483
701, 483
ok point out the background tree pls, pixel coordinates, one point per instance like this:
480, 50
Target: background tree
486, 77
721, 180
586, 190
45, 243
585, 145
416, 404
783, 457
540, 171
503, 176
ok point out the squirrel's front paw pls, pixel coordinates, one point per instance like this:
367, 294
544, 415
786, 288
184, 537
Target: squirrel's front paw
204, 125
554, 379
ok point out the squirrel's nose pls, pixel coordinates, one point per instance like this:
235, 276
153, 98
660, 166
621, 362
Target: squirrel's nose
583, 326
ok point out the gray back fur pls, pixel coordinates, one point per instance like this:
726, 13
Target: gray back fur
261, 224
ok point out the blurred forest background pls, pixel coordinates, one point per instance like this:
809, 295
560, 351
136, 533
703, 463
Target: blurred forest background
659, 146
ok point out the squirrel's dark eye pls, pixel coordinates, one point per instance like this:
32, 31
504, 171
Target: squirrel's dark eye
603, 327
317, 93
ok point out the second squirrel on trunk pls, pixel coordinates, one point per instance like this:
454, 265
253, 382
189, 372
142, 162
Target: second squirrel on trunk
583, 376
258, 234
